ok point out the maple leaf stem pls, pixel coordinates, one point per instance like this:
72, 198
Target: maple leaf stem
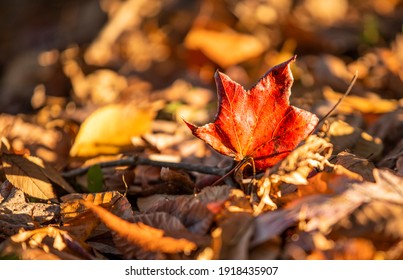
135, 160
353, 80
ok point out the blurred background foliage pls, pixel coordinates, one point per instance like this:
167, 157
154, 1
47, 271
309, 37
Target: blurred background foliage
58, 48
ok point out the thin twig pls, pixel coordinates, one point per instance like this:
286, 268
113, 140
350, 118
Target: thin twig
134, 160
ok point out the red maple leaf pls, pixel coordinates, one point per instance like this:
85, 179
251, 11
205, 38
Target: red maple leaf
258, 123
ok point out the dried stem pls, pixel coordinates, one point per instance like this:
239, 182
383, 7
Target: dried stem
134, 160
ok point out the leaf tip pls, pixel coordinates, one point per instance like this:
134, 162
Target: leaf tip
192, 127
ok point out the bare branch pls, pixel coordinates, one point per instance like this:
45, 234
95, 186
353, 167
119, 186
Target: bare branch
134, 161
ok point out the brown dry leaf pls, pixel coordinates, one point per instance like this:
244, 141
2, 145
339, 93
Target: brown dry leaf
100, 87
346, 137
27, 176
232, 239
178, 178
376, 220
226, 47
16, 213
47, 143
194, 215
139, 234
326, 212
389, 128
161, 220
44, 243
52, 174
394, 159
129, 15
214, 194
109, 129
360, 166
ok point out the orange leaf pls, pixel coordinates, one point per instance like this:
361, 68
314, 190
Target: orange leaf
147, 237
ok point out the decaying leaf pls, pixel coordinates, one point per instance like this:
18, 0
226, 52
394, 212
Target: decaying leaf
258, 123
16, 213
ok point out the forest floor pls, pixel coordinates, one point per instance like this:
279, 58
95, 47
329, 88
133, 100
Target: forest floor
96, 160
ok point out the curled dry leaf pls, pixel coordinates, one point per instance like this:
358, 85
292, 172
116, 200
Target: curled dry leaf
258, 123
139, 234
312, 155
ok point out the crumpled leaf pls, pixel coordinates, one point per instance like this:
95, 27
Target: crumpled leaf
258, 123
109, 129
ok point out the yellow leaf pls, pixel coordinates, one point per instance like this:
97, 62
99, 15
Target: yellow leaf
370, 104
225, 48
109, 129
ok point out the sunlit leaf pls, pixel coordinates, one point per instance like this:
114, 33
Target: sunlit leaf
27, 176
139, 234
109, 129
